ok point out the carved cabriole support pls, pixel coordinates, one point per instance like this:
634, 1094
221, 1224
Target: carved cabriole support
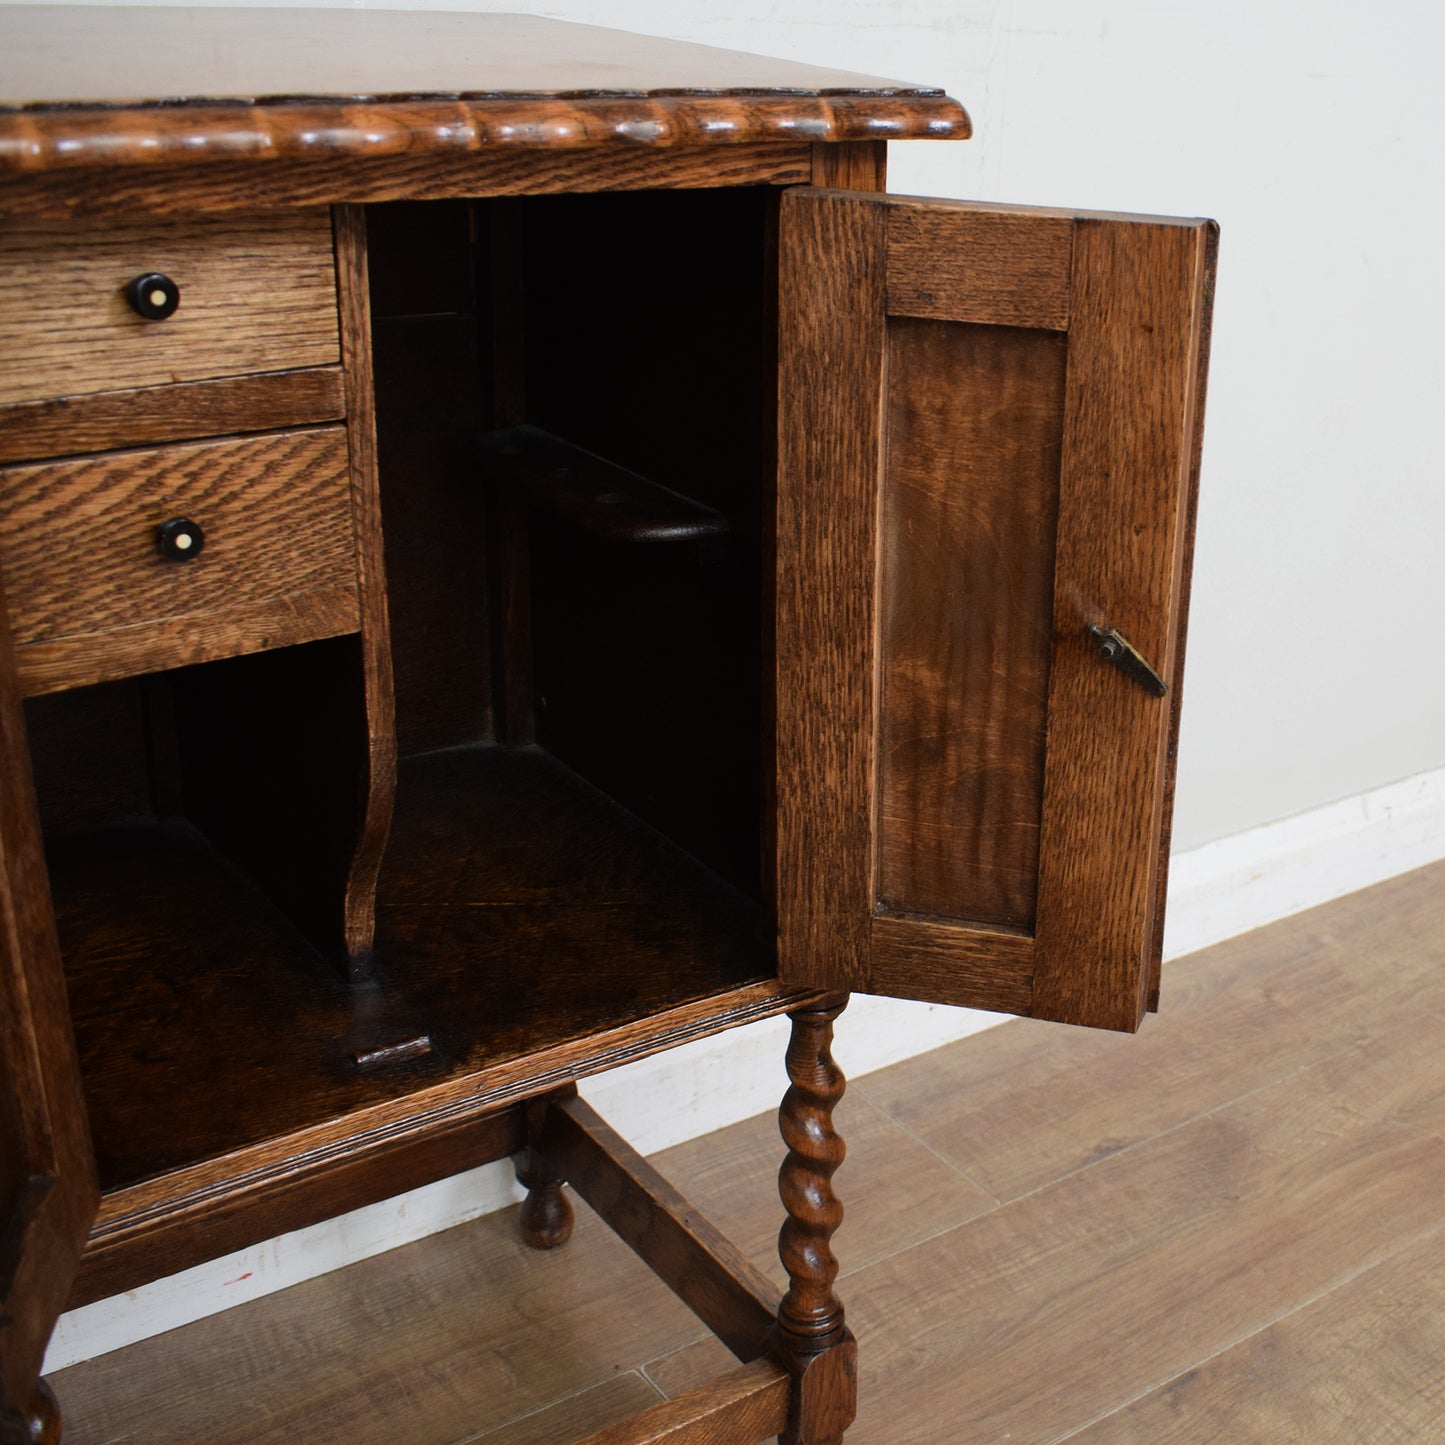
811, 1339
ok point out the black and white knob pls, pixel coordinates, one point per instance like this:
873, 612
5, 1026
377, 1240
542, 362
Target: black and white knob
181, 539
153, 296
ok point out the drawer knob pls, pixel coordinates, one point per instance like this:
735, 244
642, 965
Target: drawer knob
153, 296
181, 539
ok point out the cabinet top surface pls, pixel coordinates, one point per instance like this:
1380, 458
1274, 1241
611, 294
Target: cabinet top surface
88, 86
104, 54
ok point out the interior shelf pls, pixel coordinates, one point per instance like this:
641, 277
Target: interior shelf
519, 908
590, 492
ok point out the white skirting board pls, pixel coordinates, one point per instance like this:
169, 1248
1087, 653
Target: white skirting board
1222, 889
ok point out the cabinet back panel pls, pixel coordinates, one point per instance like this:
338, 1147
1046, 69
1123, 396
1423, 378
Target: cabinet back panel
651, 348
970, 499
433, 397
88, 750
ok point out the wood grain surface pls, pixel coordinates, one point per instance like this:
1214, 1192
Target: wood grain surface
957, 262
233, 54
184, 138
329, 84
258, 293
851, 165
1125, 511
232, 186
609, 1403
277, 566
146, 415
744, 1407
509, 988
377, 786
1362, 1362
969, 507
1019, 781
830, 360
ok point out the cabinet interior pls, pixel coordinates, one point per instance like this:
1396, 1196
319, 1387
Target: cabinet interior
575, 472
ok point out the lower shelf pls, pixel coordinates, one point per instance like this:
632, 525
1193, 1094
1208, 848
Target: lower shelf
523, 916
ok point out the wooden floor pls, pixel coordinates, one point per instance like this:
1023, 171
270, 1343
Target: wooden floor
1226, 1229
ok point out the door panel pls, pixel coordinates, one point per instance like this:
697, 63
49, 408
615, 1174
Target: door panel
969, 502
48, 1191
988, 443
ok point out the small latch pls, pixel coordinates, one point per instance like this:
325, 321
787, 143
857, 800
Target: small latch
1114, 647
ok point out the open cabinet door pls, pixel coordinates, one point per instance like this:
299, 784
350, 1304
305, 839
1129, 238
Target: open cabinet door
988, 453
48, 1191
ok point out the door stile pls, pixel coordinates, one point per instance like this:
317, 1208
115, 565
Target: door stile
830, 328
1124, 514
1201, 322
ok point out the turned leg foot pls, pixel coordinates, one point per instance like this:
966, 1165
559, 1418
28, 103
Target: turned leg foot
811, 1339
39, 1425
547, 1217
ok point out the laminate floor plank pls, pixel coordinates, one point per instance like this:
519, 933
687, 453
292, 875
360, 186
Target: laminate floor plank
1027, 1103
578, 1416
905, 1192
431, 1344
1361, 1363
1045, 1312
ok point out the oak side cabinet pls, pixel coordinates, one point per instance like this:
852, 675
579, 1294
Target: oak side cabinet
518, 553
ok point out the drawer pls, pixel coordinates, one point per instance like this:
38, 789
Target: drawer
267, 560
257, 293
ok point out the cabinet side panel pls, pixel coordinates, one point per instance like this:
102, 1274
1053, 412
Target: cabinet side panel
47, 1178
830, 359
969, 513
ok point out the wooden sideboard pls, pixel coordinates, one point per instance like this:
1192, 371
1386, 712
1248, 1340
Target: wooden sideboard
518, 553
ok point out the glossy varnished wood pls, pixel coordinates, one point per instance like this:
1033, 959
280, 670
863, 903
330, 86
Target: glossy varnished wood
232, 54
258, 293
176, 412
277, 565
811, 1339
67, 140
376, 84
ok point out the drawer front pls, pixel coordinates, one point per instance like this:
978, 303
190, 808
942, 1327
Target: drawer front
256, 293
266, 559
